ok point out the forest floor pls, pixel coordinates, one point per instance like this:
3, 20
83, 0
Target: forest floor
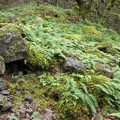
71, 70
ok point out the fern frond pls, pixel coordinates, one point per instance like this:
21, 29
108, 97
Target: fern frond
115, 115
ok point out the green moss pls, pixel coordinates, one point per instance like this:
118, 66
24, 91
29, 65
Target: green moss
106, 11
99, 79
21, 20
68, 109
36, 58
94, 52
1, 58
112, 51
107, 48
39, 20
8, 28
91, 30
72, 36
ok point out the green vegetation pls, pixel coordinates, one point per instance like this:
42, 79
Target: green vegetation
52, 36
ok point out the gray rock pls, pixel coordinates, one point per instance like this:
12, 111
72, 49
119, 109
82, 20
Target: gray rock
104, 70
29, 99
5, 92
12, 46
73, 65
3, 100
3, 86
29, 111
28, 116
2, 66
6, 107
47, 115
1, 78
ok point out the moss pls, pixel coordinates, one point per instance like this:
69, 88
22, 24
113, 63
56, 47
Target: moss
39, 20
94, 52
69, 109
72, 36
90, 30
107, 48
112, 51
8, 28
21, 20
36, 58
1, 58
106, 11
99, 79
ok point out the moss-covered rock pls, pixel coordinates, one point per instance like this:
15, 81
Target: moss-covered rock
107, 47
104, 70
12, 46
91, 30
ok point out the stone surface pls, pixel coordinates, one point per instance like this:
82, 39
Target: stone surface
3, 86
47, 115
104, 70
29, 111
73, 65
2, 66
3, 100
5, 92
6, 107
29, 99
12, 46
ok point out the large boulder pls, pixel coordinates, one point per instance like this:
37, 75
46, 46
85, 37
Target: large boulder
2, 66
12, 46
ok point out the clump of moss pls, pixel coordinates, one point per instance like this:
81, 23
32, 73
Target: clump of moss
94, 52
72, 36
8, 28
36, 58
69, 109
107, 48
90, 30
99, 79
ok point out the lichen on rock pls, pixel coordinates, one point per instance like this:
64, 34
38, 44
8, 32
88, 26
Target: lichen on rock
12, 46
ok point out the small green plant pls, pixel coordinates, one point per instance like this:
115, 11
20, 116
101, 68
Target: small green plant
81, 95
11, 117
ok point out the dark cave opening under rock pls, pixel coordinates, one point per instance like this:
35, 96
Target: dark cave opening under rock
16, 67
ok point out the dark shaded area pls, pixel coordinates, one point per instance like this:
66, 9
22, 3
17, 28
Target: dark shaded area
15, 67
104, 49
56, 96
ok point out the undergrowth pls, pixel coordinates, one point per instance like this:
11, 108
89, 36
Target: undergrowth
52, 36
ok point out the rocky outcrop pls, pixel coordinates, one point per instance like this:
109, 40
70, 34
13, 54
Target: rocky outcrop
12, 46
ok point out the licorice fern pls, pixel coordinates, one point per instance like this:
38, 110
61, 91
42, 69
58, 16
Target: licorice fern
81, 95
111, 92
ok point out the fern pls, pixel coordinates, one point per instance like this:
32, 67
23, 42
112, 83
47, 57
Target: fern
115, 115
82, 95
112, 92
